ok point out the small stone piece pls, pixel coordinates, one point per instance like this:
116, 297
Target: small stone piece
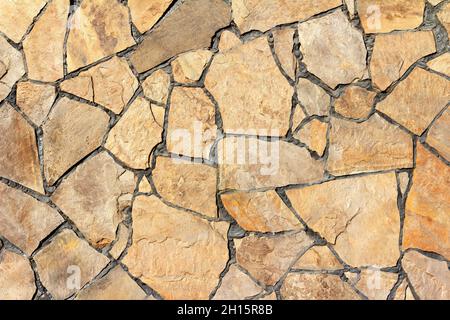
318, 258
314, 135
35, 100
156, 86
298, 117
144, 185
12, 65
441, 64
121, 241
284, 47
351, 7
236, 285
439, 135
189, 67
403, 292
403, 181
376, 284
228, 40
355, 103
16, 277
146, 13
315, 100
444, 16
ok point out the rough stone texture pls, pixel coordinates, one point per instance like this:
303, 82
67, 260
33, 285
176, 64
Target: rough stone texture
191, 251
333, 49
12, 67
284, 49
35, 100
228, 40
355, 103
260, 211
315, 100
146, 13
318, 258
156, 86
427, 225
376, 284
236, 285
121, 241
314, 135
188, 67
72, 131
18, 145
403, 292
189, 27
439, 135
441, 64
16, 277
144, 185
444, 16
406, 103
186, 184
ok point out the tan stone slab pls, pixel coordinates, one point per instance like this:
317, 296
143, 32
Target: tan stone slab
298, 117
11, 66
314, 135
284, 49
189, 66
156, 86
444, 16
403, 292
228, 40
121, 241
35, 100
144, 185
315, 100
16, 277
145, 13
376, 284
441, 64
355, 103
318, 258
236, 285
439, 135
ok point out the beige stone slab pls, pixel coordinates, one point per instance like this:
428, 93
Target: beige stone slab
236, 285
439, 135
16, 277
145, 13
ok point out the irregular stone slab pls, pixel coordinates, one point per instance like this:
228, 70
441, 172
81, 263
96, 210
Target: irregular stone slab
441, 64
318, 258
228, 40
250, 163
284, 49
379, 16
190, 26
333, 49
247, 75
373, 145
44, 46
298, 117
16, 277
430, 278
303, 286
236, 285
145, 13
376, 284
355, 103
403, 292
35, 100
359, 215
144, 185
67, 263
189, 67
136, 134
263, 15
121, 241
102, 29
116, 285
90, 197
260, 211
268, 258
315, 100
314, 135
111, 84
72, 131
439, 135
177, 254
156, 86
19, 159
11, 65
427, 225
444, 16
394, 53
406, 103
186, 184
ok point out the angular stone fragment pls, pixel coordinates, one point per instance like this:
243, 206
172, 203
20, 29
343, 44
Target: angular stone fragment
188, 67
373, 145
403, 292
298, 117
315, 100
284, 47
11, 65
67, 259
376, 284
19, 159
351, 7
333, 49
355, 103
406, 104
145, 13
263, 15
394, 53
359, 215
101, 28
379, 16
35, 100
318, 258
314, 135
250, 163
228, 40
177, 254
116, 285
186, 184
236, 285
300, 286
111, 84
260, 211
190, 26
441, 64
144, 185
72, 131
439, 135
90, 197
136, 134
121, 241
403, 181
156, 86
444, 16
44, 46
430, 278
427, 225
16, 277
268, 258
245, 76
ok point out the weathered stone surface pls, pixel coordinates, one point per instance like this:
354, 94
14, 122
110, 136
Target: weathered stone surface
298, 117
441, 64
251, 163
284, 49
111, 84
16, 277
44, 46
430, 278
262, 15
299, 286
260, 211
100, 28
315, 100
355, 103
18, 150
376, 284
228, 40
394, 53
268, 258
439, 135
373, 145
318, 258
116, 285
72, 131
191, 129
359, 215
245, 76
121, 241
144, 185
190, 26
188, 67
236, 285
444, 16
11, 65
67, 258
186, 184
91, 197
379, 16
136, 134
156, 86
403, 292
35, 100
314, 135
177, 254
333, 49
427, 225
145, 13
